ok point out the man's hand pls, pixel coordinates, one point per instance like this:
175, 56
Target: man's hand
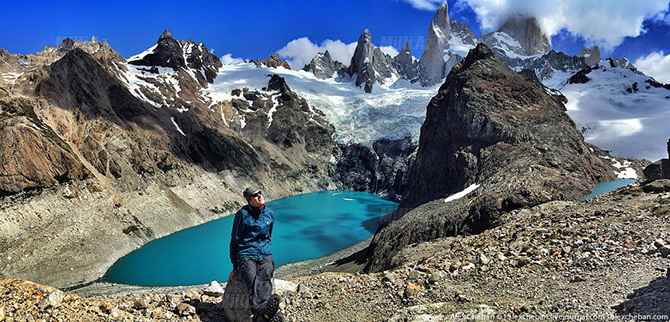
232, 274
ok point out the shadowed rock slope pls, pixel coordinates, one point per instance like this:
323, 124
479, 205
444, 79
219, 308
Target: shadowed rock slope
494, 128
98, 171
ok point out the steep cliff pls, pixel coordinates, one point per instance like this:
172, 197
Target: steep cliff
501, 141
370, 64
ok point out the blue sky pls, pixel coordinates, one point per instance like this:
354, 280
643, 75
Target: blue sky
638, 30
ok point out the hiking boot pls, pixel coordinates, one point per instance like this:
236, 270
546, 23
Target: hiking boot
269, 309
279, 317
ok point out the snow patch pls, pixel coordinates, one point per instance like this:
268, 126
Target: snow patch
11, 77
177, 126
141, 55
626, 173
462, 194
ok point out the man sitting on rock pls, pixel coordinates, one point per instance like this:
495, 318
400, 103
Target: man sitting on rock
251, 255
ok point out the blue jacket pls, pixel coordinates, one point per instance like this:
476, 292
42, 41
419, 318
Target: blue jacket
252, 229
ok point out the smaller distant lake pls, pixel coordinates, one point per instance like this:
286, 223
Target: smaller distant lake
607, 186
307, 226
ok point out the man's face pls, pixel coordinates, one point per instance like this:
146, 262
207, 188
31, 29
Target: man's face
256, 199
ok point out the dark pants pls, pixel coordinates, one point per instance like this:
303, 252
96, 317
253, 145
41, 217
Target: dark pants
257, 275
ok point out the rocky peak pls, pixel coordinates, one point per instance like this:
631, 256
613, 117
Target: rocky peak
176, 54
405, 63
369, 63
622, 63
166, 35
167, 53
441, 18
277, 83
432, 59
199, 58
484, 131
591, 55
323, 66
528, 33
273, 62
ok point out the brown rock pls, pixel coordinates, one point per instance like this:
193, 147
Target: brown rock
141, 304
32, 154
629, 243
106, 308
185, 309
411, 289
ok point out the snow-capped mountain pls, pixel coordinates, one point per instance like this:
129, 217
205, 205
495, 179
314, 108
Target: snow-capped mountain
446, 45
378, 97
620, 110
171, 53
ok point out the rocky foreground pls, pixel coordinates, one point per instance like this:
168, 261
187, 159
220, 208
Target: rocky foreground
601, 259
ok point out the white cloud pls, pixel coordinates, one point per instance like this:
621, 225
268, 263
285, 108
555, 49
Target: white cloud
431, 5
299, 52
656, 65
228, 59
389, 50
606, 23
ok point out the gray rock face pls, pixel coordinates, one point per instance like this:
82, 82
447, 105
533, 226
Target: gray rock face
406, 65
545, 65
323, 66
528, 33
591, 55
494, 128
622, 63
432, 59
501, 43
385, 169
370, 64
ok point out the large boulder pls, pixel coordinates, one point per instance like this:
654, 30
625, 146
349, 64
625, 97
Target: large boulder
659, 169
502, 136
235, 301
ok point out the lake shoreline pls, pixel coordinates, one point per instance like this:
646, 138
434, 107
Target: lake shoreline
345, 260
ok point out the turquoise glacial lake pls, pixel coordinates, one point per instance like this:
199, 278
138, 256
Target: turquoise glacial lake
307, 226
607, 186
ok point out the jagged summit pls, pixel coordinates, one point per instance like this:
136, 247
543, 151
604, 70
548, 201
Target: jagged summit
370, 64
528, 33
432, 59
323, 66
591, 55
274, 61
176, 54
166, 34
406, 65
622, 63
